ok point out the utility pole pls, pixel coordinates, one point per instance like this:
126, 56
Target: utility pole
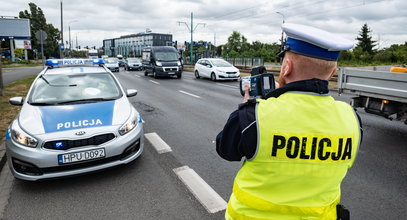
61, 52
191, 46
76, 40
1, 74
191, 29
214, 39
70, 42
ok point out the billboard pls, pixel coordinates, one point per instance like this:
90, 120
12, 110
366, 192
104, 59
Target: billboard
23, 44
17, 28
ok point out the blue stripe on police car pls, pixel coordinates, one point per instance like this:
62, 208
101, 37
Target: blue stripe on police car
68, 117
8, 135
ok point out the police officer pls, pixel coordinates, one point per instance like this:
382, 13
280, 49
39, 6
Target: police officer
299, 143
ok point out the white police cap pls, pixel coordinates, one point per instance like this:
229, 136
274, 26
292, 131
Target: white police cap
314, 42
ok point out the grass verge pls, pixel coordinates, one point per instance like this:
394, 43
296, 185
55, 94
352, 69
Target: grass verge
8, 111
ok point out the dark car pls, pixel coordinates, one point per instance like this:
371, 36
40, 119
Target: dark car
162, 61
121, 63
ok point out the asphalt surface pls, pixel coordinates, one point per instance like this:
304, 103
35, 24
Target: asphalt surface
13, 74
187, 114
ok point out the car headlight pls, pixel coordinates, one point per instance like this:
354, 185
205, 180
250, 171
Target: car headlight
130, 124
179, 63
221, 71
21, 137
158, 63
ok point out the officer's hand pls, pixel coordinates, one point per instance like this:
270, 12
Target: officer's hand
246, 88
277, 85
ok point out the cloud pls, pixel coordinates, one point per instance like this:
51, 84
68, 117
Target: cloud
256, 20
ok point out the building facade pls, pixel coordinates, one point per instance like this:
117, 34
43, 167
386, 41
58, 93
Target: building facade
132, 45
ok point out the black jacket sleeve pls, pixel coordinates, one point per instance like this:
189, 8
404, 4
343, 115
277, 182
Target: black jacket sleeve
238, 138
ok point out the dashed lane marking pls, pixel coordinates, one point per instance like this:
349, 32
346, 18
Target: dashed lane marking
207, 196
190, 94
226, 85
137, 76
155, 82
158, 143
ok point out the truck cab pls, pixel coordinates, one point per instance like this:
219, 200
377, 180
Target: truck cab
162, 61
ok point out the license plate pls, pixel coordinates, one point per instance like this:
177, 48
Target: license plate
81, 156
171, 73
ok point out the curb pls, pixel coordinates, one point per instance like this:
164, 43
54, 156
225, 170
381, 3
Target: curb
3, 156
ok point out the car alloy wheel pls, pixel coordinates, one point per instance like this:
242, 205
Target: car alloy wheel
197, 74
213, 77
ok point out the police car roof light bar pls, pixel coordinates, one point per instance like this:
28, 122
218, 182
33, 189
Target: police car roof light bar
73, 62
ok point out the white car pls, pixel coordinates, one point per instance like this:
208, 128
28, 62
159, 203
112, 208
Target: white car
76, 119
216, 69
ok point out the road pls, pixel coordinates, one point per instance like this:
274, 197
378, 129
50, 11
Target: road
13, 74
187, 114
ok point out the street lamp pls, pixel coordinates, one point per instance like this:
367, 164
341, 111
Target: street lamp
282, 32
70, 42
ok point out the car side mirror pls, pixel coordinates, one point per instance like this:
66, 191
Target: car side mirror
209, 66
131, 92
16, 100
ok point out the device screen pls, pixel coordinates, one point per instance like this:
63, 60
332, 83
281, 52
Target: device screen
266, 82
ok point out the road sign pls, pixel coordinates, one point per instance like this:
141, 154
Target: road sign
41, 36
62, 47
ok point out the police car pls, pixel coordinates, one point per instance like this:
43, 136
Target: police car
75, 119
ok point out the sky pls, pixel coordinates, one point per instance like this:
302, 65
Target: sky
94, 20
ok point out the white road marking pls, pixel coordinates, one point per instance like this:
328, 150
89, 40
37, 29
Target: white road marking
189, 77
221, 84
155, 82
201, 190
137, 76
190, 94
158, 143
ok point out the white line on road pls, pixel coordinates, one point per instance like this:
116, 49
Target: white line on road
137, 76
155, 82
226, 85
200, 189
189, 77
190, 94
158, 143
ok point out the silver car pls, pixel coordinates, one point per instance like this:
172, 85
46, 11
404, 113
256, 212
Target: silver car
76, 119
112, 64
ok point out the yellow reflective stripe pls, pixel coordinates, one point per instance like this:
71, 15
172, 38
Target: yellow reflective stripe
240, 216
260, 204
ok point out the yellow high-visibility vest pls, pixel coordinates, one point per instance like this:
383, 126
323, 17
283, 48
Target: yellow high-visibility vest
306, 143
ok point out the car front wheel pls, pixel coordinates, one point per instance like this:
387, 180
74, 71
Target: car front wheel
213, 77
197, 74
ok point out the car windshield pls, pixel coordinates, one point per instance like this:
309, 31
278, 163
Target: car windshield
63, 88
133, 60
221, 63
112, 60
166, 56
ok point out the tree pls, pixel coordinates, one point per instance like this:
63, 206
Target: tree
365, 42
38, 22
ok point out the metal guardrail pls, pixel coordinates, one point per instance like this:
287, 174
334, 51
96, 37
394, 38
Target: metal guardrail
246, 62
